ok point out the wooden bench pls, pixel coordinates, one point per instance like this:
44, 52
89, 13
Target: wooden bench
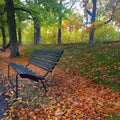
45, 59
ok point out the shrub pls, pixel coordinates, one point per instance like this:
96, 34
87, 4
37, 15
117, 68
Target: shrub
106, 33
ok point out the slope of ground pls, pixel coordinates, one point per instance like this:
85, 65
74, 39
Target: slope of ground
72, 89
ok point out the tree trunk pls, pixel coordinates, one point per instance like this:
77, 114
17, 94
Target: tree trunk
93, 16
60, 24
59, 31
4, 38
19, 36
12, 28
91, 36
36, 33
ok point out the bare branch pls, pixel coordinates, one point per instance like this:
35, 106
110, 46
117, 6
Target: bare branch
112, 15
72, 5
88, 12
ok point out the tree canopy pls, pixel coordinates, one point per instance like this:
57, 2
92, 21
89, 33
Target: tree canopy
76, 15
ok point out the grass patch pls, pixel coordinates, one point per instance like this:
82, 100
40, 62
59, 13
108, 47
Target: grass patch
114, 117
99, 62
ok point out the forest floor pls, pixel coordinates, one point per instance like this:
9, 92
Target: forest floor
85, 85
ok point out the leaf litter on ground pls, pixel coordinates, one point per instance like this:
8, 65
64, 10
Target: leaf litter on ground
70, 96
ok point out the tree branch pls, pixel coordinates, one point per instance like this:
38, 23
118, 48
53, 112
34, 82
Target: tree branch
110, 19
31, 12
88, 12
26, 10
72, 5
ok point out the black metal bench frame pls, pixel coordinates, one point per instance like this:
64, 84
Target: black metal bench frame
45, 59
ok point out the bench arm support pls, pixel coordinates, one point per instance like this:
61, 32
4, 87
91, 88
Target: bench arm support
16, 82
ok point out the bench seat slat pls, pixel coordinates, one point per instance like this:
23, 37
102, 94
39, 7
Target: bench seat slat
24, 72
48, 61
20, 69
45, 57
42, 64
52, 52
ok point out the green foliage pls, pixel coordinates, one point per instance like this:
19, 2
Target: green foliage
7, 36
28, 35
48, 18
74, 37
106, 33
49, 35
114, 117
2, 5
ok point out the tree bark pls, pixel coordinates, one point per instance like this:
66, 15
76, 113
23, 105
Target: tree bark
91, 36
59, 31
12, 28
19, 36
4, 38
59, 25
36, 32
93, 16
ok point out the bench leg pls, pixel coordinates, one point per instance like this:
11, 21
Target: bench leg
43, 85
8, 72
12, 86
16, 93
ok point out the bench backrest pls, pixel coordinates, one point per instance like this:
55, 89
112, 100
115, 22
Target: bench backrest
45, 59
